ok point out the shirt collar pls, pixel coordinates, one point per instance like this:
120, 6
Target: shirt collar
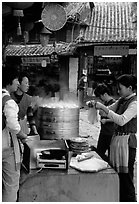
130, 96
4, 91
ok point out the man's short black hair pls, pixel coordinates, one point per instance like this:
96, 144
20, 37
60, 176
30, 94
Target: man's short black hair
22, 75
101, 89
9, 73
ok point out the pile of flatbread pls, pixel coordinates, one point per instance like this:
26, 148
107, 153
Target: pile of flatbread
79, 145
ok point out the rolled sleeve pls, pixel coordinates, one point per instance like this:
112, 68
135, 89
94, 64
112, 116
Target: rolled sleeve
11, 112
131, 112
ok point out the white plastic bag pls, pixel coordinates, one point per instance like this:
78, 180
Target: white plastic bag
93, 115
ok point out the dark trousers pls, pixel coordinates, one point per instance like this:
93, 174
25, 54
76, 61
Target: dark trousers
127, 189
103, 145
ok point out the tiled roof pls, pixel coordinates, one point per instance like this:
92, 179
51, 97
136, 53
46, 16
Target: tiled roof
111, 22
38, 50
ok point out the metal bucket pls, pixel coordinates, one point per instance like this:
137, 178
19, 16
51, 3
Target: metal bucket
58, 123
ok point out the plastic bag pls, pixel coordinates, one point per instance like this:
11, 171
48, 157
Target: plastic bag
93, 115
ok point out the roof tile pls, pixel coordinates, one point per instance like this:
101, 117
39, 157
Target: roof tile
38, 50
111, 22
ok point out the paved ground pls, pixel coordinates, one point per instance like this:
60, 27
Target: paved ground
91, 132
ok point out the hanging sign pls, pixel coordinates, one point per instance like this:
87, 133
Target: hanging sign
43, 63
35, 60
111, 50
132, 51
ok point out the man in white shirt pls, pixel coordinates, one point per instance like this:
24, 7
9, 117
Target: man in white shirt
10, 133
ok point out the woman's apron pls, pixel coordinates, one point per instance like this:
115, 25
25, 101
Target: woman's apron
119, 147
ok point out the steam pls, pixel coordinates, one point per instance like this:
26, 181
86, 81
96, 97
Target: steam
54, 95
69, 101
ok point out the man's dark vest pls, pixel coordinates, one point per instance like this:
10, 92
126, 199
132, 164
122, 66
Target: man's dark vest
107, 128
131, 126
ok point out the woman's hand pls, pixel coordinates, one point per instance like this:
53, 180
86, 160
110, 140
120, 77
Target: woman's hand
100, 106
103, 121
97, 105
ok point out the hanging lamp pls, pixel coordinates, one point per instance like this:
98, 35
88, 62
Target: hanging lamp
18, 14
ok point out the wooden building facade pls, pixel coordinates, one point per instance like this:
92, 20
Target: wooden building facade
98, 39
109, 48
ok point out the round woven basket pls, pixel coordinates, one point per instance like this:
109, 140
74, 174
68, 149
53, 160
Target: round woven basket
53, 16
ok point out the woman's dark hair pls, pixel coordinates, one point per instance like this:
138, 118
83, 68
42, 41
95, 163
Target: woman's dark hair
101, 89
128, 80
9, 73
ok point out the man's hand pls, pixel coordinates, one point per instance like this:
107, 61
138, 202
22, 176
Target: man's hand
21, 135
24, 140
33, 130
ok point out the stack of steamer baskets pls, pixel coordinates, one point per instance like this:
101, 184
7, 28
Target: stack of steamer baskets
60, 122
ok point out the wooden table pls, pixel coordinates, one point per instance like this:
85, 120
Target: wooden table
69, 186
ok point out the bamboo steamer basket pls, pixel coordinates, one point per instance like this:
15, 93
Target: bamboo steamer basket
58, 123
